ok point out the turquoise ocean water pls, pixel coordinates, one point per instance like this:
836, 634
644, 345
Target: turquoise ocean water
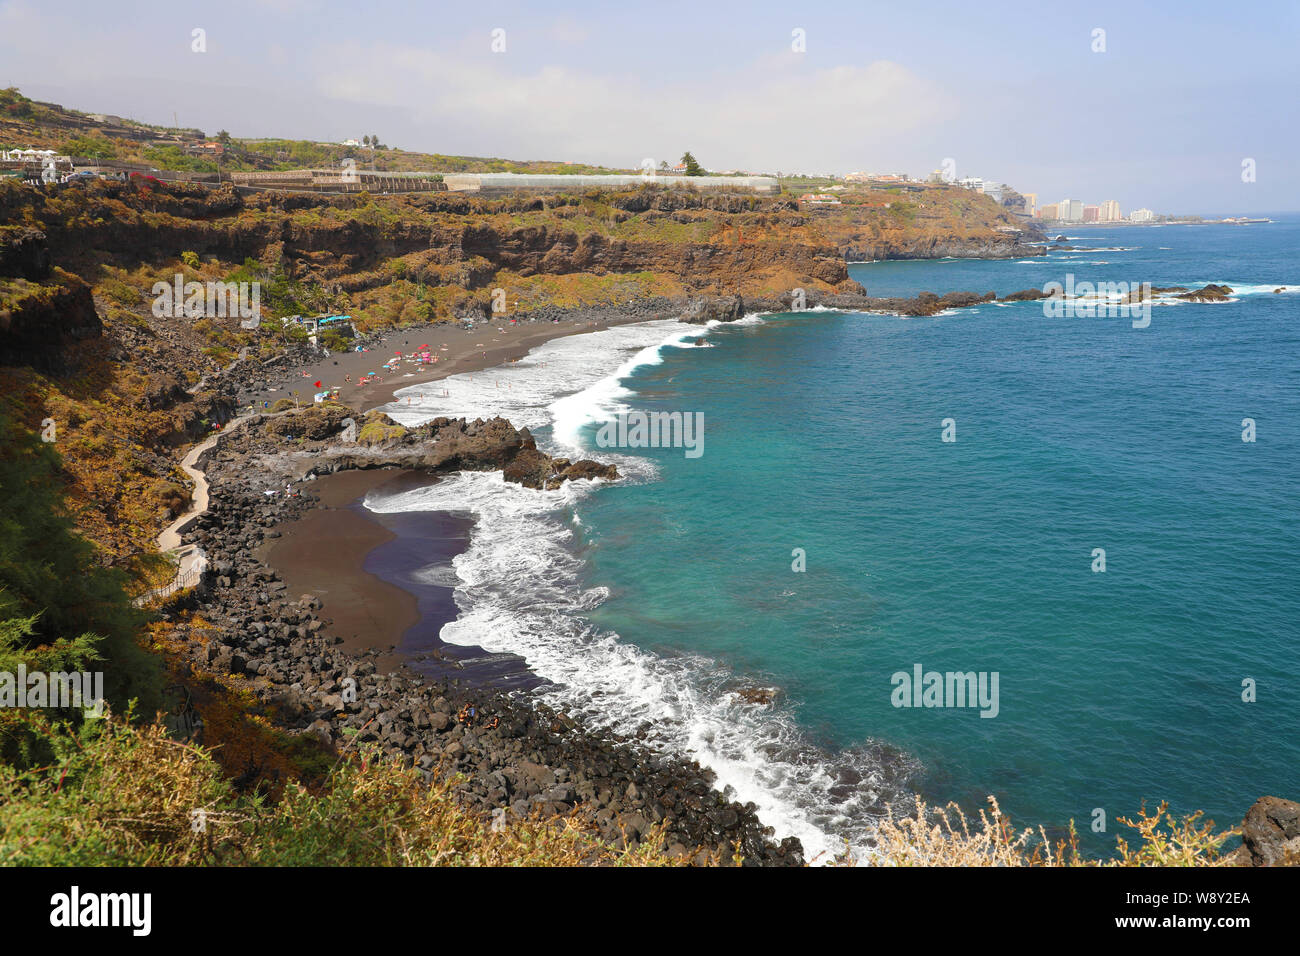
650, 601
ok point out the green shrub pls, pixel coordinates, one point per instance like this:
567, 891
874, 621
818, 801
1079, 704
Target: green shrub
60, 608
123, 795
376, 433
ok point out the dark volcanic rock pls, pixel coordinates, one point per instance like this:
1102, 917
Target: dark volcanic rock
441, 446
534, 469
927, 303
723, 308
315, 422
1210, 293
1270, 834
1025, 295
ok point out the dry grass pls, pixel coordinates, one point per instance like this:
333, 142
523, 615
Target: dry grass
131, 796
944, 836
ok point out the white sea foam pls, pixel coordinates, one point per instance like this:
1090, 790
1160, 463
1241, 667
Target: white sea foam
603, 399
520, 589
523, 391
521, 592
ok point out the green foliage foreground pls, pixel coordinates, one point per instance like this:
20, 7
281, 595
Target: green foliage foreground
60, 610
127, 795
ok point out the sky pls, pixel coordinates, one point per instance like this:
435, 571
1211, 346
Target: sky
1164, 108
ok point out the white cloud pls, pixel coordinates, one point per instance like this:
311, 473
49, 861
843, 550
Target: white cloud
569, 33
772, 113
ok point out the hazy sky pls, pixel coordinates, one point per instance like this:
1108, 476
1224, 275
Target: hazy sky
1164, 117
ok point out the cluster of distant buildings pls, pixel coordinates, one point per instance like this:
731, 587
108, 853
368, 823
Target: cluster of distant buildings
1075, 210
1067, 210
44, 165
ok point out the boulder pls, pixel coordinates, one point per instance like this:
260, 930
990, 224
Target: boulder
727, 308
1270, 834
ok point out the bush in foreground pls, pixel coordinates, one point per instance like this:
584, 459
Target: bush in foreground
933, 836
128, 795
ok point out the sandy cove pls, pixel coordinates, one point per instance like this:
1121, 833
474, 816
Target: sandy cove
310, 675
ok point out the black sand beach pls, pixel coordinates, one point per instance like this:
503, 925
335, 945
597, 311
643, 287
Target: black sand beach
456, 348
386, 580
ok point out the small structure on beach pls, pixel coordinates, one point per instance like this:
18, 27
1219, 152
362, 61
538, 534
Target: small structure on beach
340, 324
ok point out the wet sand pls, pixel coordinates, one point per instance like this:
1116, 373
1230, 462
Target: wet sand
386, 580
323, 553
418, 559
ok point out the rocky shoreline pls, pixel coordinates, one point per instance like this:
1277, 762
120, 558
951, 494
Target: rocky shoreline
517, 755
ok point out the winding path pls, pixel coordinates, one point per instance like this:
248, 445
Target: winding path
192, 560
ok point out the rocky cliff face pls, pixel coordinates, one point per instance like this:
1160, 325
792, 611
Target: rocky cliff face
1000, 246
723, 244
24, 253
39, 322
